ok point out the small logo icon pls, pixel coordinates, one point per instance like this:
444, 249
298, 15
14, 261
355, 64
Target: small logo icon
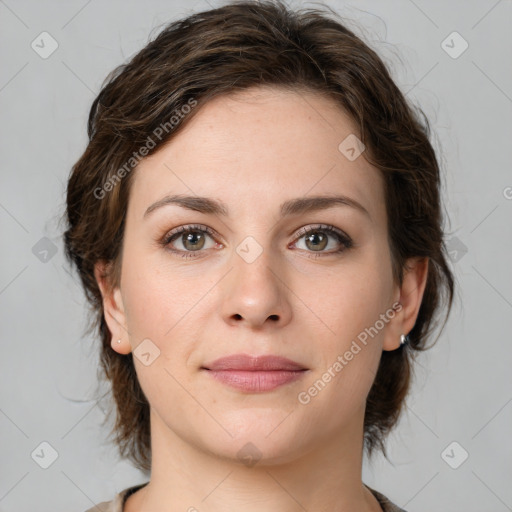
44, 455
44, 250
454, 45
146, 352
44, 45
456, 249
351, 147
454, 455
249, 454
249, 249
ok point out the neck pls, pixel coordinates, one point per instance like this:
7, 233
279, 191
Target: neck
325, 477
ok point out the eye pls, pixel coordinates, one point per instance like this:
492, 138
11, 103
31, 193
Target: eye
318, 238
187, 240
190, 241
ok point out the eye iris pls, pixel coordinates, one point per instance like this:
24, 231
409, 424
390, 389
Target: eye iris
192, 238
318, 239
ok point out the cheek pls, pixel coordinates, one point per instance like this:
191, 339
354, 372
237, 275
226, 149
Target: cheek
157, 308
351, 299
168, 307
156, 299
351, 351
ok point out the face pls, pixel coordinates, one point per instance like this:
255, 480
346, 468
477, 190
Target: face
259, 269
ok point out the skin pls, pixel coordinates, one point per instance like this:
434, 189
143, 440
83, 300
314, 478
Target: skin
253, 151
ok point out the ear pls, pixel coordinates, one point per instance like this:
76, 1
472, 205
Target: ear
113, 308
410, 297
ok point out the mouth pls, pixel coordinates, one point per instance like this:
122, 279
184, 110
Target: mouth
255, 374
244, 362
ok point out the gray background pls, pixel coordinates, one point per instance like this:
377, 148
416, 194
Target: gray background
462, 390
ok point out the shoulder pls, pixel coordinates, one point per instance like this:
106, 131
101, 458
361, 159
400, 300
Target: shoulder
116, 504
384, 502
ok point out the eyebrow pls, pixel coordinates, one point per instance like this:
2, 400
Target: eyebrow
291, 207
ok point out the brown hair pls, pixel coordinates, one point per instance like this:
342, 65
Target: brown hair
221, 51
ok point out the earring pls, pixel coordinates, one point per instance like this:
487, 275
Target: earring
118, 341
403, 339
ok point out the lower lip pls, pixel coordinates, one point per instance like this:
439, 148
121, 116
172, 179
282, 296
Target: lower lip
256, 381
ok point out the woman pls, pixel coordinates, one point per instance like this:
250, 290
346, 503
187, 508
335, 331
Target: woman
256, 221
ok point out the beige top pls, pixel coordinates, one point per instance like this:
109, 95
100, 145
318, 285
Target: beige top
117, 504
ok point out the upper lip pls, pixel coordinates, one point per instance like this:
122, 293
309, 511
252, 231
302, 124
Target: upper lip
253, 363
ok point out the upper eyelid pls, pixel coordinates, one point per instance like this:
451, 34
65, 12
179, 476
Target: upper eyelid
190, 227
319, 227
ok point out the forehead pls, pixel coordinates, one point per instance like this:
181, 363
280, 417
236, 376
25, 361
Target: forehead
261, 145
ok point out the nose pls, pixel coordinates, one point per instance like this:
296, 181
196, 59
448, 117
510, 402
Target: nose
256, 294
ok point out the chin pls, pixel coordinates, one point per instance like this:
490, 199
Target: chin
261, 437
257, 452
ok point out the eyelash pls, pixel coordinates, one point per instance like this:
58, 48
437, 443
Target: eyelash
341, 237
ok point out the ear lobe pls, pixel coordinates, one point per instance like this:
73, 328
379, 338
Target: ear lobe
411, 296
113, 308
